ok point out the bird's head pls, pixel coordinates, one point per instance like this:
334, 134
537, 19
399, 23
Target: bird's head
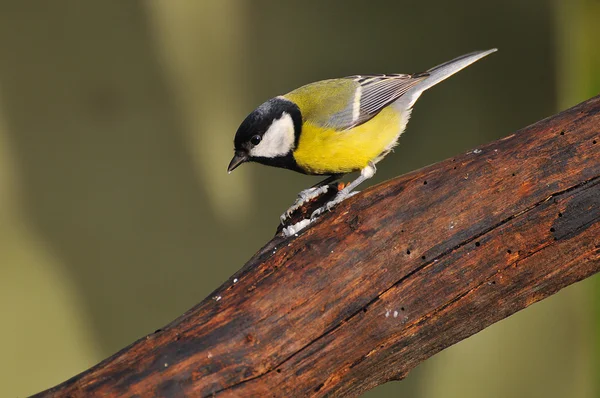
268, 135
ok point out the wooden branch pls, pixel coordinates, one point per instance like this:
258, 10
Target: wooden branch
389, 278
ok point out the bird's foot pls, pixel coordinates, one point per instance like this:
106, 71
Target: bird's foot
303, 197
299, 226
294, 229
340, 197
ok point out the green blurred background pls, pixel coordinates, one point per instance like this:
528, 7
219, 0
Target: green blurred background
116, 126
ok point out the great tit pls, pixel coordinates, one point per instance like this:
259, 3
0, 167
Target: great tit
336, 126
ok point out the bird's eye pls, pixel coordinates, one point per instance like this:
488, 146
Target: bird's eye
255, 140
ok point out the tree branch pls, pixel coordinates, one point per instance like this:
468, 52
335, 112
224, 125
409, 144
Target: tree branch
389, 278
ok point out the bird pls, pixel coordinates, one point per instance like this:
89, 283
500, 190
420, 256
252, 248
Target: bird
337, 126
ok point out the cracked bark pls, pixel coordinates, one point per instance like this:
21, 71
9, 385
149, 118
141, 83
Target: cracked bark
389, 278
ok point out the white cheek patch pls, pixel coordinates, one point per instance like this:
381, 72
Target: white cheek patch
278, 140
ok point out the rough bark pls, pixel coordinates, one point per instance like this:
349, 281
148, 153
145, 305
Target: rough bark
389, 278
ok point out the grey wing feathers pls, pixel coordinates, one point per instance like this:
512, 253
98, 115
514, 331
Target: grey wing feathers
373, 93
377, 91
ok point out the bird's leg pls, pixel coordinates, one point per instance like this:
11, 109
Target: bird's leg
348, 191
309, 194
345, 193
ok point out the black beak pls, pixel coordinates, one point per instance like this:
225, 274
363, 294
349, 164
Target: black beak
238, 158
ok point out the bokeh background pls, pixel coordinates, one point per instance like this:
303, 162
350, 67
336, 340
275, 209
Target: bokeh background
116, 126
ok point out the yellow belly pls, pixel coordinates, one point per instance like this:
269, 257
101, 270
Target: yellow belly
326, 151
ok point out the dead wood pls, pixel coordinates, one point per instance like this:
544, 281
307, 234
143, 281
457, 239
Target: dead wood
389, 278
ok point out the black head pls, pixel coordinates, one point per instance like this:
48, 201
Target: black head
269, 135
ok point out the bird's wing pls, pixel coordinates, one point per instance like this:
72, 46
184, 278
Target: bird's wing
348, 102
375, 92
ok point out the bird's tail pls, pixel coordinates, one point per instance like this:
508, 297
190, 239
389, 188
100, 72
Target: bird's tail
442, 72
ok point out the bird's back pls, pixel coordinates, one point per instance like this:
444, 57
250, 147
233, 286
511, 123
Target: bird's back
351, 122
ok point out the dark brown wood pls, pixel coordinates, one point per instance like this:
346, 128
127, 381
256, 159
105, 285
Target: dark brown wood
389, 278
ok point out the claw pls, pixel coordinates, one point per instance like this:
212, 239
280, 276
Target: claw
294, 229
303, 197
315, 214
299, 226
340, 197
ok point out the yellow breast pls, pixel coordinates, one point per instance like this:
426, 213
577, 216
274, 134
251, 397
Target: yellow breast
326, 151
